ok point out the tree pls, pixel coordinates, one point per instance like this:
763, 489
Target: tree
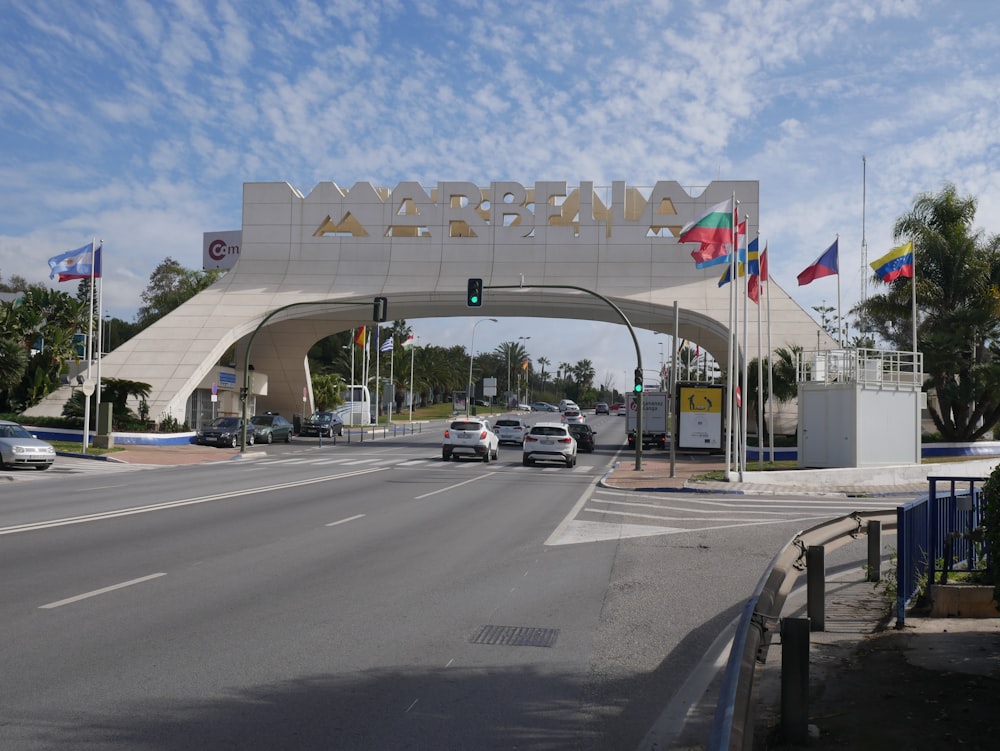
170, 286
783, 378
957, 272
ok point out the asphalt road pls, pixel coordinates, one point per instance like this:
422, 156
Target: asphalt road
365, 596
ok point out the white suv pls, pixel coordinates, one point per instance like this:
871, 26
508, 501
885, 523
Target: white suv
510, 429
470, 437
549, 441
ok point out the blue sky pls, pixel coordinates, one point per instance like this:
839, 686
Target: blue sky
138, 122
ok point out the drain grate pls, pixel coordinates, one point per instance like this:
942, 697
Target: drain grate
516, 636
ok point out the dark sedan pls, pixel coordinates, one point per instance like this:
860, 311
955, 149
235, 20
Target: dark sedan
224, 431
326, 424
270, 428
584, 436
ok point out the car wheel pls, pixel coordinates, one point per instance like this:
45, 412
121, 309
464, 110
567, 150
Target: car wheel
42, 466
526, 461
288, 437
496, 454
445, 456
270, 439
486, 456
233, 443
340, 430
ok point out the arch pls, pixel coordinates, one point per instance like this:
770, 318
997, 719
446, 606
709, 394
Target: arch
417, 247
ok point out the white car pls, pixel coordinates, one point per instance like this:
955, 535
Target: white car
470, 436
549, 441
510, 429
565, 404
573, 417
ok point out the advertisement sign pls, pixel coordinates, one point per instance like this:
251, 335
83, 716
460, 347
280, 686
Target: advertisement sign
458, 400
699, 413
220, 250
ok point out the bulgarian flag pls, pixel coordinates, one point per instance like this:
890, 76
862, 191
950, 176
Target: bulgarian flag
713, 227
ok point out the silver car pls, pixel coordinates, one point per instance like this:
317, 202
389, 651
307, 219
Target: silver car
19, 448
470, 437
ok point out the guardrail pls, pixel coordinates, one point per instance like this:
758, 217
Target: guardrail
733, 725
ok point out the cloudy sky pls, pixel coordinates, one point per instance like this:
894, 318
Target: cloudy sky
138, 122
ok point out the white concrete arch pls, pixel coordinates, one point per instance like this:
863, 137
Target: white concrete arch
417, 247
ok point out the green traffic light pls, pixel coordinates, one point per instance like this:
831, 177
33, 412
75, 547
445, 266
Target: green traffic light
638, 388
474, 300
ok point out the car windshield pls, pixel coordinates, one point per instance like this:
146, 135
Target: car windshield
508, 423
225, 422
322, 417
13, 431
466, 425
579, 429
262, 419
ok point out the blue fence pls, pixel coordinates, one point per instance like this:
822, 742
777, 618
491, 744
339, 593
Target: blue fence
941, 529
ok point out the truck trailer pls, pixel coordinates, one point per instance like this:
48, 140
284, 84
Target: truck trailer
655, 424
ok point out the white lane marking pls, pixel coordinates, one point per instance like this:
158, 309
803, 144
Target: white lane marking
101, 591
452, 487
344, 521
176, 504
564, 525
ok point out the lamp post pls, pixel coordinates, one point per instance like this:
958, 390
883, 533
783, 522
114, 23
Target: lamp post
472, 354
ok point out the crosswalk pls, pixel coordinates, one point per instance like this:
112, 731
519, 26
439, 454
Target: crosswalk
432, 462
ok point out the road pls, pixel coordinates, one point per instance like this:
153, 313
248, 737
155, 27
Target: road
367, 596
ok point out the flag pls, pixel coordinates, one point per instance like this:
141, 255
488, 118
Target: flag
753, 288
753, 257
524, 365
386, 345
826, 265
896, 264
710, 254
359, 337
408, 342
763, 264
82, 263
727, 274
715, 226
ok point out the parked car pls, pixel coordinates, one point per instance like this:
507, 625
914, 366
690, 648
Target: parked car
584, 436
602, 408
19, 448
510, 429
326, 424
573, 417
224, 431
269, 428
470, 437
549, 441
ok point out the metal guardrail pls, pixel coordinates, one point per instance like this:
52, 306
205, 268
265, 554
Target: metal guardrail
733, 725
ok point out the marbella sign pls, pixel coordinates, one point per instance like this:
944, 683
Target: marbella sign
505, 208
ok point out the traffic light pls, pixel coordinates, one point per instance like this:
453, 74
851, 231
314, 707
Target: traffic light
381, 309
474, 297
638, 381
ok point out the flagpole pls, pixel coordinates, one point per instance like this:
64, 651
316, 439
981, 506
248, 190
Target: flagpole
90, 351
913, 301
412, 348
378, 381
392, 361
730, 345
766, 287
100, 327
744, 401
840, 319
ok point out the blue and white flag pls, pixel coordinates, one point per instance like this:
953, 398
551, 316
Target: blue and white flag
386, 345
82, 263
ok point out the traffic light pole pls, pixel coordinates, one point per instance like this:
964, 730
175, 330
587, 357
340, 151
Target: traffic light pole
380, 310
635, 340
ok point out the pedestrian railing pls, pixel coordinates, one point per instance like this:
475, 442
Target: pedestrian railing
942, 531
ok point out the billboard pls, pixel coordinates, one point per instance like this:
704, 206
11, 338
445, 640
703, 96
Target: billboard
220, 250
699, 416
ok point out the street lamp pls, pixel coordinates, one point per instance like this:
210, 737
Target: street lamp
472, 354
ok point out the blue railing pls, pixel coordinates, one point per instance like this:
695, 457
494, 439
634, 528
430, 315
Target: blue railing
940, 527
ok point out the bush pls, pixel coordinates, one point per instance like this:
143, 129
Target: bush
991, 522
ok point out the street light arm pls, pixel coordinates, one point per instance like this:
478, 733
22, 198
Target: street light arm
472, 354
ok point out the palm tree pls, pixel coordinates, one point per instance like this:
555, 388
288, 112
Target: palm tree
543, 362
957, 275
784, 381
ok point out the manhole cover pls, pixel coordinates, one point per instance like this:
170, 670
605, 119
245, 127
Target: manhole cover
516, 636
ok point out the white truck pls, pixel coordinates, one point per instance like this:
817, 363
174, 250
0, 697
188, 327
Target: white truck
655, 425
